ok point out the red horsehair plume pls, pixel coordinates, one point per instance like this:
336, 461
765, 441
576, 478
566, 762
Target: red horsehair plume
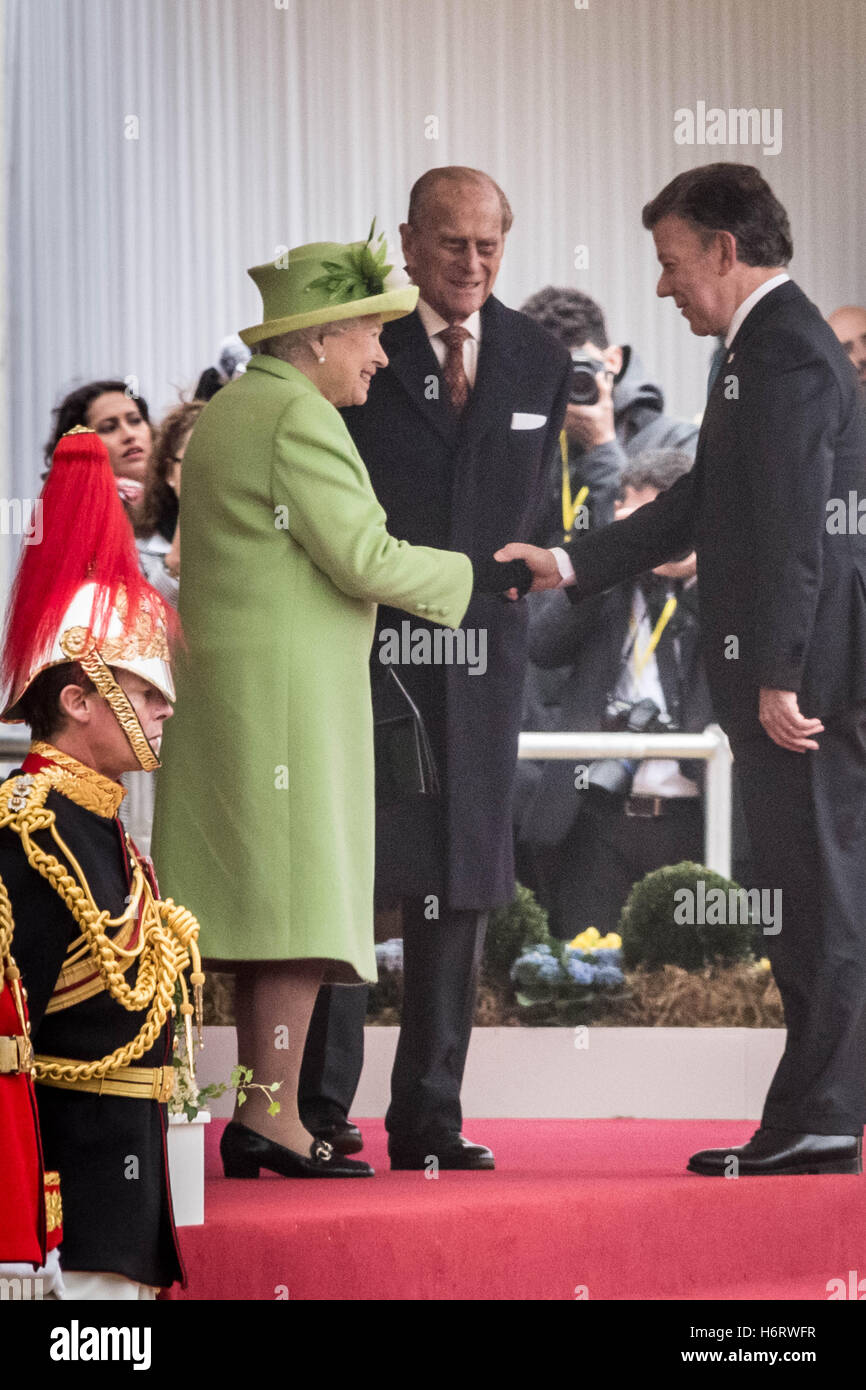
86, 536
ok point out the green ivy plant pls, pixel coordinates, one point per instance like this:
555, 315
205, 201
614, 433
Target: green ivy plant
188, 1099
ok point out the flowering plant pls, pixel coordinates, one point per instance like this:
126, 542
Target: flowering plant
565, 980
188, 1098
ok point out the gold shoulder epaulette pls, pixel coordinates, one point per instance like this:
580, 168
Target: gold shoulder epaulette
25, 794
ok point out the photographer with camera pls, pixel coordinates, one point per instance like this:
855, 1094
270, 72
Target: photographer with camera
614, 413
632, 661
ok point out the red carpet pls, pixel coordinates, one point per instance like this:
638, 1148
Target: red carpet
597, 1204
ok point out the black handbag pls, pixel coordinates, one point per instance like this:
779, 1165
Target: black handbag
405, 766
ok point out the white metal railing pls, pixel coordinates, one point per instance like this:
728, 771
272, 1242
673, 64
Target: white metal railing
711, 746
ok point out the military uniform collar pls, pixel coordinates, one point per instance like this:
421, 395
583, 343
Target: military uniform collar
74, 780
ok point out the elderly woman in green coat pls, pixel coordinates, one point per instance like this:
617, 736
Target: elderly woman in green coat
265, 809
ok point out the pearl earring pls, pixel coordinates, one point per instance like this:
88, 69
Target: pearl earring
322, 358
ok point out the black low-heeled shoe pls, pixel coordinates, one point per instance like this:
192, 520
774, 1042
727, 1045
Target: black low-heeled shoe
244, 1153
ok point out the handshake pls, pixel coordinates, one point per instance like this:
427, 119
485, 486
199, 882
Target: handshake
517, 569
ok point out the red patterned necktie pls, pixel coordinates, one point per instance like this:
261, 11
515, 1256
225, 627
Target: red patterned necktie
454, 372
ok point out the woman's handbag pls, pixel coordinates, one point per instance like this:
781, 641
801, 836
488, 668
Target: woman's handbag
405, 766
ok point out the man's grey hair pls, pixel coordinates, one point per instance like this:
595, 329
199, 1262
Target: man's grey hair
658, 468
424, 189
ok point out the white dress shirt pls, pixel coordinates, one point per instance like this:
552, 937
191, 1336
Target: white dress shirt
653, 776
749, 303
434, 324
566, 569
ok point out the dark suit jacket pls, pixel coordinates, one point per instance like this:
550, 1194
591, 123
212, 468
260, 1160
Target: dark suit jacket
470, 484
782, 600
590, 637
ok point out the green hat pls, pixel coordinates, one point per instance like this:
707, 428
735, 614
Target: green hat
325, 281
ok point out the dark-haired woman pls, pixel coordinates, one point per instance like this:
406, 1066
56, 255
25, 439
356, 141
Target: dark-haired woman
159, 553
122, 422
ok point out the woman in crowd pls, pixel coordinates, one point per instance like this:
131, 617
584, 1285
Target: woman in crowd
265, 808
159, 556
123, 423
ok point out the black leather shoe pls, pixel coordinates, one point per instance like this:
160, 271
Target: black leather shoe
244, 1152
451, 1150
780, 1153
342, 1135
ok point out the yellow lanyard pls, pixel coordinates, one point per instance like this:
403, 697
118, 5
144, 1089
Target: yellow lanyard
569, 509
641, 660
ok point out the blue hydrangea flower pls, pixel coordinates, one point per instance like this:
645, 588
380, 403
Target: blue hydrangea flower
607, 956
609, 977
536, 967
580, 971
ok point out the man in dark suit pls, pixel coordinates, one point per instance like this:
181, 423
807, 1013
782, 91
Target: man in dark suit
459, 434
590, 838
782, 566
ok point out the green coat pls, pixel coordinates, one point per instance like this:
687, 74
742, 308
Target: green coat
264, 822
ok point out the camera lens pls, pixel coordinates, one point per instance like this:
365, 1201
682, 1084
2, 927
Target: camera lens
584, 386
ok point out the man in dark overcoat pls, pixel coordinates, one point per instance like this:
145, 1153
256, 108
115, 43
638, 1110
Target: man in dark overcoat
460, 435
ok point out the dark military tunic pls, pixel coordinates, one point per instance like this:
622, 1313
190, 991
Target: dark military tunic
110, 1151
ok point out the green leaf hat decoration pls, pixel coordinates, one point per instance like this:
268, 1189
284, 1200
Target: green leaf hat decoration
359, 275
325, 281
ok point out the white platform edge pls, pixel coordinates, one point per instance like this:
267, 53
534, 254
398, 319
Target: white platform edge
556, 1073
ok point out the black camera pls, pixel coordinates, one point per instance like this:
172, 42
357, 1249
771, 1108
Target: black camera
614, 776
584, 378
643, 717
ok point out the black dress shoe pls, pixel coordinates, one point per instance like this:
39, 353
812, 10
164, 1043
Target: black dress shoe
342, 1135
244, 1152
781, 1153
451, 1150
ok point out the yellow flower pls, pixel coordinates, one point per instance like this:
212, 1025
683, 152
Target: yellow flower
591, 940
611, 942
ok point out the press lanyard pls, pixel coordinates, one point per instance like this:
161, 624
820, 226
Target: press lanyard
569, 509
640, 660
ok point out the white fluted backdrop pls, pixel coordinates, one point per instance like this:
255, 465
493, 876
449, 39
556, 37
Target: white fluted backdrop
263, 123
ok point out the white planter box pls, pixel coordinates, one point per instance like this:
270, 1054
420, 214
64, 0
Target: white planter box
601, 1073
186, 1167
528, 1073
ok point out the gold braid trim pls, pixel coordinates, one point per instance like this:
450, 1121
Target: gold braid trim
80, 783
53, 1204
78, 644
167, 946
12, 977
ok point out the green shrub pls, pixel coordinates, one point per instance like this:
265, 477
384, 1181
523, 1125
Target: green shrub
653, 930
510, 931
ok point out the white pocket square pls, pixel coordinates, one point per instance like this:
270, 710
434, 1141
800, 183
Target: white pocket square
527, 422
